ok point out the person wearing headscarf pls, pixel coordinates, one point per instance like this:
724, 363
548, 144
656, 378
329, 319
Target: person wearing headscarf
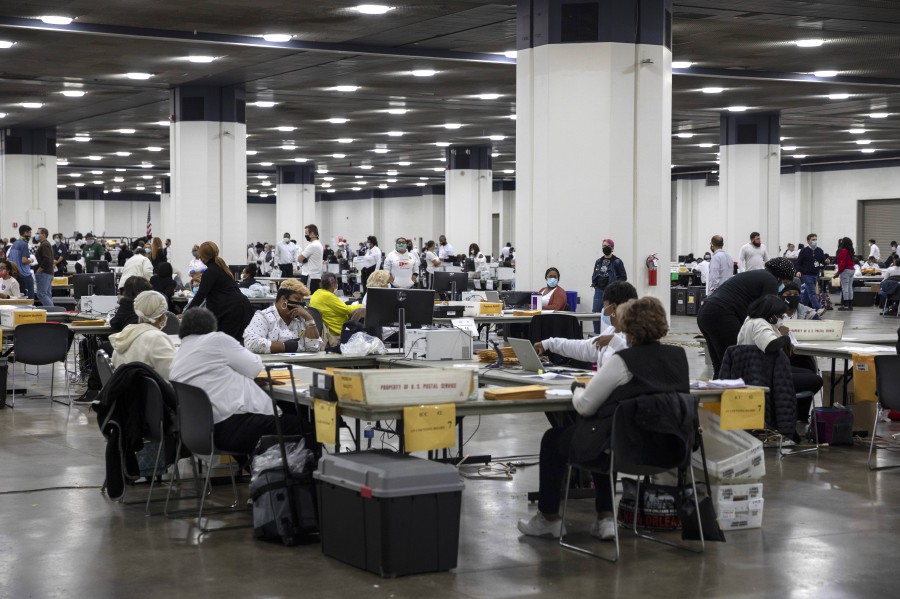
145, 342
221, 294
721, 316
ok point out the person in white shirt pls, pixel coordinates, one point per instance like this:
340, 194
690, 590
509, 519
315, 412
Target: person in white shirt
598, 349
216, 363
754, 255
445, 251
195, 266
138, 265
401, 265
251, 254
703, 268
311, 259
284, 327
371, 261
874, 250
145, 342
432, 261
790, 252
505, 252
721, 265
286, 255
891, 271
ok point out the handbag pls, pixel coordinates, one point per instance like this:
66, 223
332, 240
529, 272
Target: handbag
691, 521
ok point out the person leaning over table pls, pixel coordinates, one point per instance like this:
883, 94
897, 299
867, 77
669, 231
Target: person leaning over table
333, 310
553, 297
221, 293
216, 363
644, 368
283, 327
145, 342
722, 314
600, 348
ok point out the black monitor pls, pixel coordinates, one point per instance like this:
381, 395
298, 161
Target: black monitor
92, 266
516, 299
94, 284
470, 265
383, 308
443, 282
236, 270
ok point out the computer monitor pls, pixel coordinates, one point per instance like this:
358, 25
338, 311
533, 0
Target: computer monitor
470, 265
383, 308
94, 284
516, 299
236, 270
92, 266
444, 282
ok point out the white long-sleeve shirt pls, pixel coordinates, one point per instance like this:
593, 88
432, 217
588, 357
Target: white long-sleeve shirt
220, 366
584, 350
372, 257
446, 252
752, 257
721, 268
268, 326
614, 373
875, 251
285, 252
136, 266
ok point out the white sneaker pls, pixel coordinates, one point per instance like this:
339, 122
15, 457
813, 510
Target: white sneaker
538, 526
605, 529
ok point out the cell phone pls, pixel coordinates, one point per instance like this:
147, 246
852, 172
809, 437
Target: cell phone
293, 305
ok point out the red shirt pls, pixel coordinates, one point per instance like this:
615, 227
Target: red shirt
844, 260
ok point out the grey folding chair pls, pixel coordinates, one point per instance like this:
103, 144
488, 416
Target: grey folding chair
887, 387
317, 317
623, 461
40, 344
196, 431
783, 451
104, 366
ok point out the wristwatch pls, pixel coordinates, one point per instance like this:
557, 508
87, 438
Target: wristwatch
309, 323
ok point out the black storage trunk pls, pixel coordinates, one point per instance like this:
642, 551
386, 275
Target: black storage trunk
695, 297
679, 300
389, 514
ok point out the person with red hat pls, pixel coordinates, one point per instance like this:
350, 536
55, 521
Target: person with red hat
607, 268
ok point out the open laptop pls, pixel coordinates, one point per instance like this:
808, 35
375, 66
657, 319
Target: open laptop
530, 361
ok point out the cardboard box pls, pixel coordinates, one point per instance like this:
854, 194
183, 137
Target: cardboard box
58, 281
740, 515
13, 316
411, 386
816, 330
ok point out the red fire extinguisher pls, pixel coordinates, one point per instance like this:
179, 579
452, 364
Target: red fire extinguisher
652, 267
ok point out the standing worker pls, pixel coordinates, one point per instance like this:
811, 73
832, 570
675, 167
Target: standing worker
311, 259
371, 261
809, 260
20, 255
607, 268
846, 268
753, 255
286, 255
44, 274
721, 265
401, 265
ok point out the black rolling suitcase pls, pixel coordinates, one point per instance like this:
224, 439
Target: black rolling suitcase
284, 499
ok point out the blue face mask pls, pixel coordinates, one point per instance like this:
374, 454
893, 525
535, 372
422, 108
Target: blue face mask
780, 287
813, 244
552, 282
605, 321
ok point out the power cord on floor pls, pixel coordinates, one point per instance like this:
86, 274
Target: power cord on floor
48, 489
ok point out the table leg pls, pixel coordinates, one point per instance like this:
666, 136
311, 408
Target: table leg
4, 371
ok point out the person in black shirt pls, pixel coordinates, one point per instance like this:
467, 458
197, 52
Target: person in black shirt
124, 253
723, 313
607, 268
163, 282
248, 277
809, 260
220, 292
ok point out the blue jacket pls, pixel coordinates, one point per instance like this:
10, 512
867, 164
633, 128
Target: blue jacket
807, 258
19, 250
607, 270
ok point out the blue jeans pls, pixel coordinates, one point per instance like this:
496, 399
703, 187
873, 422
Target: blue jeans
597, 308
44, 281
27, 286
811, 287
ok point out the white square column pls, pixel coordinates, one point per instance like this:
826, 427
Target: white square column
28, 179
469, 198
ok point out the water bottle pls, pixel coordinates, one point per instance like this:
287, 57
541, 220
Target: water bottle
536, 301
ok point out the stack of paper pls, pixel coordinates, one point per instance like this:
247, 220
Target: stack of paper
719, 384
526, 392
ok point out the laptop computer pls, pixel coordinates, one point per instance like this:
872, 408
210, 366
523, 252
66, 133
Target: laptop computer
530, 361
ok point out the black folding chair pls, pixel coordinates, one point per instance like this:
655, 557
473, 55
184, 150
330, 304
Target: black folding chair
40, 344
887, 387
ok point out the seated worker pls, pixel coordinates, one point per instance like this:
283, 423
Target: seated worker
284, 327
553, 297
377, 280
163, 282
763, 328
124, 314
795, 310
600, 348
9, 284
892, 270
216, 362
870, 264
645, 367
248, 276
145, 342
333, 310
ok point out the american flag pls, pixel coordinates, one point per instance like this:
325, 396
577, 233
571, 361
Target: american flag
149, 224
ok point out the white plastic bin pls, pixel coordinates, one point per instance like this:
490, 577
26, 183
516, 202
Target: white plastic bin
730, 455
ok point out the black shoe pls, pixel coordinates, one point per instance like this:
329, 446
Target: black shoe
87, 399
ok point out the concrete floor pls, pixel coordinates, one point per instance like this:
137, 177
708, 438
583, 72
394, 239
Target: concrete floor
830, 528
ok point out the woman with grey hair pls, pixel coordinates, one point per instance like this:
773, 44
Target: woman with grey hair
218, 364
145, 342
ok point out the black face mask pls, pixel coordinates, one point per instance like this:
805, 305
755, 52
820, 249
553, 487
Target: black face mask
308, 238
792, 300
607, 251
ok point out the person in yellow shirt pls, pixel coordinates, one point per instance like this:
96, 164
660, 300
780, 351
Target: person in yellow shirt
332, 308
